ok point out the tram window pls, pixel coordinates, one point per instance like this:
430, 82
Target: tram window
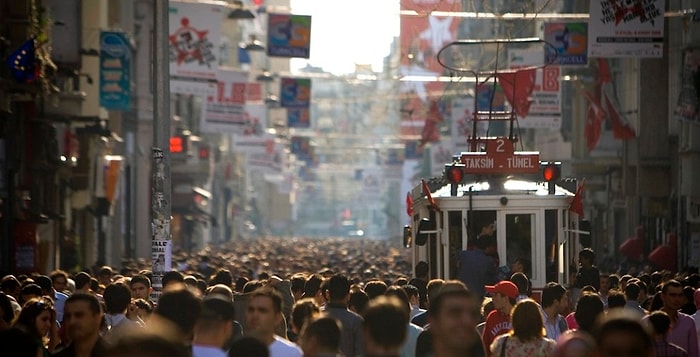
455, 236
519, 240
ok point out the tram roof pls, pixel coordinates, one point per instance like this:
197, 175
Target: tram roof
506, 186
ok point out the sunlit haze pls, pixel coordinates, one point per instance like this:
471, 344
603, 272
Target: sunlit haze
345, 33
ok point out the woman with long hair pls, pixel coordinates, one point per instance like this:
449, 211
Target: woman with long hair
38, 319
526, 339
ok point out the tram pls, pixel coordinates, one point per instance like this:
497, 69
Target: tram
522, 200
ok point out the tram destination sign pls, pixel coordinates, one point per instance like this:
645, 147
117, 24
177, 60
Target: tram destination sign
500, 157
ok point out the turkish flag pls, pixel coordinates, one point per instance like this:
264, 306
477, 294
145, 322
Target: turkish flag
595, 117
621, 129
409, 204
426, 192
576, 205
518, 87
431, 130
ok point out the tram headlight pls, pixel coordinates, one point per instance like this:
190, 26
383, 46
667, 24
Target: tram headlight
454, 173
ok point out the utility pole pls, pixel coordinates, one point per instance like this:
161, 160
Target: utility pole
161, 244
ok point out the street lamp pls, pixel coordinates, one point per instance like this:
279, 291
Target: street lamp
254, 44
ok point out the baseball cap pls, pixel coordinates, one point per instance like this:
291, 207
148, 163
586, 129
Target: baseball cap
217, 307
506, 288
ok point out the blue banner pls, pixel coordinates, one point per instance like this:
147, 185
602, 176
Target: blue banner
289, 35
115, 71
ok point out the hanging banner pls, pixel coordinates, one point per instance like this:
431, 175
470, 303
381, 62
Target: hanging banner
254, 144
301, 147
295, 92
194, 37
626, 29
545, 109
269, 160
299, 118
570, 42
288, 35
115, 71
227, 109
688, 105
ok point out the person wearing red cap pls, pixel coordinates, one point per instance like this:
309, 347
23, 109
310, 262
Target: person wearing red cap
498, 321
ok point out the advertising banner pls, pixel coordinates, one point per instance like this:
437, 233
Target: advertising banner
545, 109
254, 144
227, 109
295, 92
194, 36
115, 71
271, 160
288, 35
688, 105
626, 29
299, 118
301, 147
570, 42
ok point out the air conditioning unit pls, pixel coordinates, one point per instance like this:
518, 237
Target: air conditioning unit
692, 211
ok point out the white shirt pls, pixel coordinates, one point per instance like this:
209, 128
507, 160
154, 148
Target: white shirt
415, 310
207, 351
408, 349
284, 348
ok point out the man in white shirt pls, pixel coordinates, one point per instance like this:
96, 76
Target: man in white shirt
414, 299
214, 326
263, 313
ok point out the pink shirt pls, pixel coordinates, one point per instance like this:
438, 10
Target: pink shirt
684, 335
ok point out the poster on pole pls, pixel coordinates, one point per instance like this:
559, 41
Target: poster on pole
161, 255
569, 41
545, 109
289, 35
626, 29
194, 37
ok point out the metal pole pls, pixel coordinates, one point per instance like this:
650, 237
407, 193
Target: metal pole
161, 244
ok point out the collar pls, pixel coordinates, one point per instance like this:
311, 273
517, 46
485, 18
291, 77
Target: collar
114, 320
336, 305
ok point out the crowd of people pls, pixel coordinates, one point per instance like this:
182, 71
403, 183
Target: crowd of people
337, 299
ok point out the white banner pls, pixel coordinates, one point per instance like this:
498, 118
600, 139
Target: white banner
270, 161
195, 36
626, 29
254, 144
545, 110
228, 110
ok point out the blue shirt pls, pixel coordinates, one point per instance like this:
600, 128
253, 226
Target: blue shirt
476, 270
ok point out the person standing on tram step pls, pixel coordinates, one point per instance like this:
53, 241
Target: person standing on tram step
588, 274
498, 321
477, 267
